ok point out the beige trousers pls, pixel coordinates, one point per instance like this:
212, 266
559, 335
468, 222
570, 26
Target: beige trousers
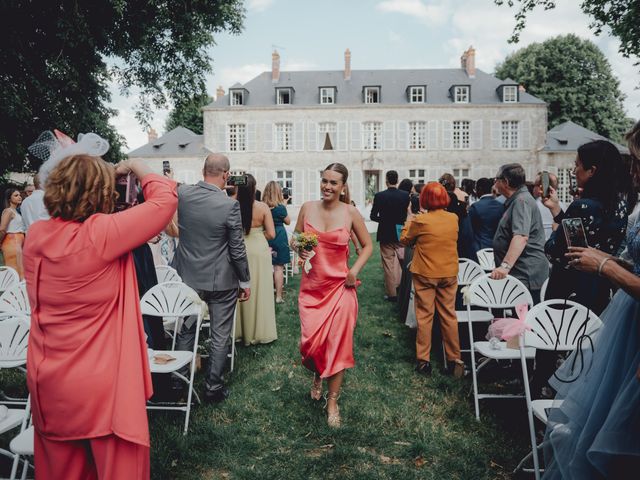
391, 254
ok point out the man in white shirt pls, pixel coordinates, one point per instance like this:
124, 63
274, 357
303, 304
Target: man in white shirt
32, 208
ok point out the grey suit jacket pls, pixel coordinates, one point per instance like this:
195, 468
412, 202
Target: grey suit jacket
211, 254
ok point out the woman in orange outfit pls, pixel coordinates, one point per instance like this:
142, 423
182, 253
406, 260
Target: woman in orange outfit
87, 368
435, 268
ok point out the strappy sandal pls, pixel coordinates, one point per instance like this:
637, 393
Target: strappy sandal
333, 419
316, 388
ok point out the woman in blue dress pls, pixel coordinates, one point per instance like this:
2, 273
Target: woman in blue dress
272, 196
594, 433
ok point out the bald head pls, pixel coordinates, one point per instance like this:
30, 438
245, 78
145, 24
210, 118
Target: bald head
215, 165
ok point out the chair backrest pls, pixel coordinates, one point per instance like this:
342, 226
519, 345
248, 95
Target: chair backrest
559, 325
485, 258
15, 300
508, 292
165, 273
543, 290
8, 278
171, 299
14, 338
468, 271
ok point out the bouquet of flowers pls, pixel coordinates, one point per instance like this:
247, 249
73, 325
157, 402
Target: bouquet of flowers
305, 241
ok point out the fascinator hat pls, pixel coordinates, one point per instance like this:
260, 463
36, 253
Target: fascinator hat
53, 147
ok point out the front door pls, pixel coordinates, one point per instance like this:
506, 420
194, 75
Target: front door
371, 185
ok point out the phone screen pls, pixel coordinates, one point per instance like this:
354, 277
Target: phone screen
545, 184
574, 232
166, 167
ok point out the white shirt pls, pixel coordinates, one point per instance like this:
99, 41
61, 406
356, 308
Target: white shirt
33, 209
16, 224
547, 217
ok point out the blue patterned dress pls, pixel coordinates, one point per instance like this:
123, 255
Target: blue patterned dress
597, 426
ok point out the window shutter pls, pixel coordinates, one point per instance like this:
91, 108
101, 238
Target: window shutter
476, 135
267, 137
298, 137
342, 136
313, 184
251, 137
524, 133
432, 132
403, 135
298, 187
447, 135
355, 182
389, 128
220, 144
496, 134
312, 136
356, 136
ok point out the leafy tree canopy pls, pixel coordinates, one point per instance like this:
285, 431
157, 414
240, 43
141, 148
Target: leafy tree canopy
60, 57
575, 79
188, 114
620, 16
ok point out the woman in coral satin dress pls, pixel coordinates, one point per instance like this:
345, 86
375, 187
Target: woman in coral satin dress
328, 302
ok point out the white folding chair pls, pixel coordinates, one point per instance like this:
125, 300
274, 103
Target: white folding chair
15, 301
14, 339
174, 299
165, 273
485, 259
543, 290
468, 272
506, 293
556, 325
8, 278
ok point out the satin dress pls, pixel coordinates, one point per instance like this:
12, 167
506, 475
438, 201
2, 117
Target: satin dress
328, 309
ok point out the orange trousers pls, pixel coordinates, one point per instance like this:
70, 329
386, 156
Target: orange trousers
391, 254
103, 458
432, 293
12, 252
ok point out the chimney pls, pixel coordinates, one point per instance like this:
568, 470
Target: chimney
347, 64
468, 62
219, 92
521, 88
275, 67
152, 135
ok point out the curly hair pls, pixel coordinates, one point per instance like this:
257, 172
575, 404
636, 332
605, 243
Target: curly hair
80, 186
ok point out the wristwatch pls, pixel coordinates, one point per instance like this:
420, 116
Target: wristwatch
505, 265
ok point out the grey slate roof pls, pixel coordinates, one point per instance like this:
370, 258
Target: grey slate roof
179, 142
393, 82
568, 136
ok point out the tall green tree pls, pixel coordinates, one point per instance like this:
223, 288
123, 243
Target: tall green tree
60, 57
188, 114
619, 16
574, 77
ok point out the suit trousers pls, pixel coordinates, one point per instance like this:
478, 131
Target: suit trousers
103, 458
391, 254
432, 294
222, 306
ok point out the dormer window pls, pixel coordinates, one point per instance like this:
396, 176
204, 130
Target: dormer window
327, 95
510, 94
284, 96
417, 94
371, 94
236, 97
461, 94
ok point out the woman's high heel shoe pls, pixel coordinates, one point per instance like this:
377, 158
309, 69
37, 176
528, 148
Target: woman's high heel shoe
333, 419
316, 388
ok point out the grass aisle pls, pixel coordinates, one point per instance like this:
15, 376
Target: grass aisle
396, 424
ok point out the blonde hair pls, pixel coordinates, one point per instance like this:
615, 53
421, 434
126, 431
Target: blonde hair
272, 194
80, 186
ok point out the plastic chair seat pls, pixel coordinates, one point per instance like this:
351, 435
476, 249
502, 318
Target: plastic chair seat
23, 443
540, 408
476, 316
12, 420
484, 349
182, 358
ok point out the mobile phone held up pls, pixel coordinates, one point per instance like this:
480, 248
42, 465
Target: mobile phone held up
166, 166
237, 180
545, 184
574, 232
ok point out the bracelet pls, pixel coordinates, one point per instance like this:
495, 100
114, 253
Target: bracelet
602, 262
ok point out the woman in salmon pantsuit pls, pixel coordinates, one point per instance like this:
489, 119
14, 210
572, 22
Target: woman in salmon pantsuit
328, 303
87, 364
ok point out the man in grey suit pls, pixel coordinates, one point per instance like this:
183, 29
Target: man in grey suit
211, 258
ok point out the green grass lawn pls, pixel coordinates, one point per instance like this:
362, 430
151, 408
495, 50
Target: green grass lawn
396, 424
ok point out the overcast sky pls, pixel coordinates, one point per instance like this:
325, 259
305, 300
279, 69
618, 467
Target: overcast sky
381, 34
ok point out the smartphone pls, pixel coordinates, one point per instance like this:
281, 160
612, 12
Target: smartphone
237, 180
127, 189
574, 232
545, 184
166, 166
